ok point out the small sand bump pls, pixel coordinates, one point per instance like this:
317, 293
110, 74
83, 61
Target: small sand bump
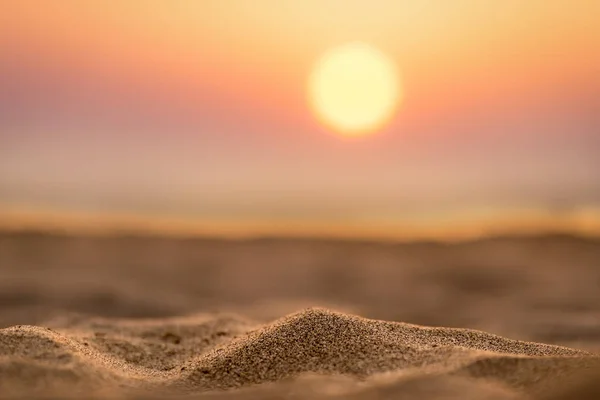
195, 356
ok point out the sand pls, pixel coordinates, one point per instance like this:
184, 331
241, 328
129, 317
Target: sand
144, 339
199, 354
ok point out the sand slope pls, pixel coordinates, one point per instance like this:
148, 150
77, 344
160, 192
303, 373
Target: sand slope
314, 353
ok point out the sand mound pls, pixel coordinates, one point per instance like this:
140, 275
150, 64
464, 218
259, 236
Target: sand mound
314, 353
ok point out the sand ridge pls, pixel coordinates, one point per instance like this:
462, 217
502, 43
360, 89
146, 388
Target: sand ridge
203, 354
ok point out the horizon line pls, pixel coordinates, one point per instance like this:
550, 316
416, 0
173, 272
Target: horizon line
458, 228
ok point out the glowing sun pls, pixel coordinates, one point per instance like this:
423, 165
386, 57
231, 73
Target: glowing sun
354, 89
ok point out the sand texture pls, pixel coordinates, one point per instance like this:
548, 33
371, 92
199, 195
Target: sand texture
71, 328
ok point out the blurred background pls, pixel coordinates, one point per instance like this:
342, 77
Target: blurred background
166, 157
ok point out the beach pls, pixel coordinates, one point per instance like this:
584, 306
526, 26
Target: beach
148, 317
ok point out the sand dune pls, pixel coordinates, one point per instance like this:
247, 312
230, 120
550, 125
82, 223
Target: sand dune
117, 317
314, 353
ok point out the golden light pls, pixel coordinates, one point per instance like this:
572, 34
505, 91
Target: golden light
354, 89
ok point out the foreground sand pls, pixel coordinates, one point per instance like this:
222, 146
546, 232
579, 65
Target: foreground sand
314, 353
141, 317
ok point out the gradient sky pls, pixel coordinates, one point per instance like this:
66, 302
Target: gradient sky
193, 116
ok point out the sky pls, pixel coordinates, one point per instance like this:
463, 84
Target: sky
190, 116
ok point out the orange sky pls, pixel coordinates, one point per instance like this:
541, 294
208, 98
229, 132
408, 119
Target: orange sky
197, 110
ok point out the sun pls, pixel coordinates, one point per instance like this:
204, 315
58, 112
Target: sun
354, 89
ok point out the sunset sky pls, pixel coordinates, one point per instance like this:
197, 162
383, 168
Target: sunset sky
193, 116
